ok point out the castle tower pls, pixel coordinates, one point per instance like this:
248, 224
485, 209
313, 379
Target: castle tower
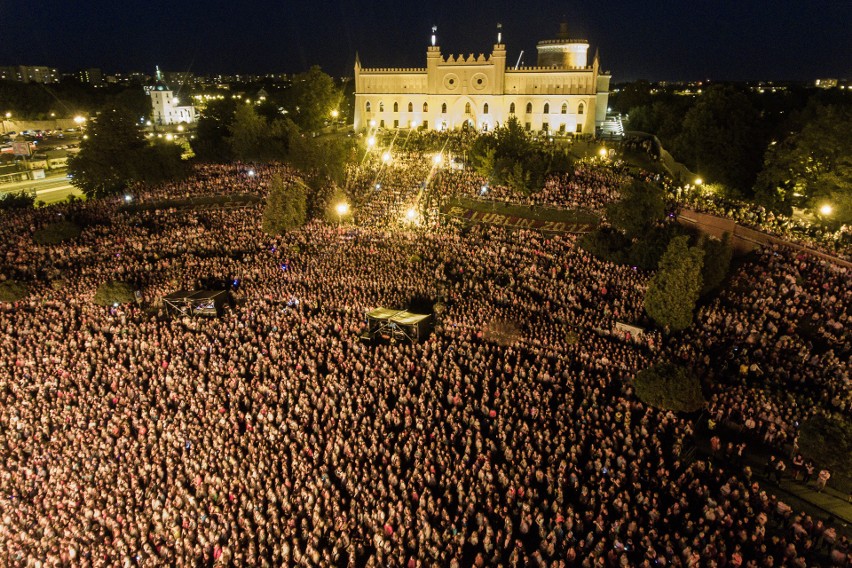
563, 52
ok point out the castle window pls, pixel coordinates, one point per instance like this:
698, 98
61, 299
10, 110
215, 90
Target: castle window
529, 108
444, 108
381, 106
410, 107
467, 108
485, 108
581, 108
368, 106
546, 108
579, 128
564, 108
396, 107
512, 108
425, 107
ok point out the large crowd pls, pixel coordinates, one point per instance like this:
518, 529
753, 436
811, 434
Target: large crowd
274, 436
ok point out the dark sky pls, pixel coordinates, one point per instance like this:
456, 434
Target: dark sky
664, 39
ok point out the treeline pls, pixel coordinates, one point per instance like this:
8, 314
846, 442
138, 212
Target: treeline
35, 101
783, 149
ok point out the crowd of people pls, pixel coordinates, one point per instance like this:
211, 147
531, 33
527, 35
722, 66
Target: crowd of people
275, 436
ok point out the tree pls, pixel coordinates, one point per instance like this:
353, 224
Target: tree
110, 158
24, 199
669, 387
253, 139
116, 154
311, 98
211, 136
640, 207
114, 292
286, 206
720, 138
813, 166
717, 261
827, 439
674, 289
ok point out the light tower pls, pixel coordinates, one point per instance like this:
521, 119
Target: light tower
563, 51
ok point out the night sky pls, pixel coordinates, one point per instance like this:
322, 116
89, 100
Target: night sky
661, 40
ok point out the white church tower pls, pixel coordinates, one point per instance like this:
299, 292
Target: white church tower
165, 106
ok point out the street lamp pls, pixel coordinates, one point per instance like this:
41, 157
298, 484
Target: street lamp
602, 152
79, 120
826, 210
342, 209
386, 157
371, 141
411, 214
334, 114
438, 159
698, 181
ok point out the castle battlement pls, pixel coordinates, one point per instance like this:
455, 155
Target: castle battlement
470, 59
550, 69
393, 70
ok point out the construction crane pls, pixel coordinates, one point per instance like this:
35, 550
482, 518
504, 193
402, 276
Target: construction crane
519, 59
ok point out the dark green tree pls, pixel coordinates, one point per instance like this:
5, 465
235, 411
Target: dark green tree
674, 289
286, 206
116, 154
640, 207
717, 262
211, 136
813, 166
669, 387
311, 98
827, 439
253, 139
111, 157
721, 138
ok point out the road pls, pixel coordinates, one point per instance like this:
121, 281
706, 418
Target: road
50, 189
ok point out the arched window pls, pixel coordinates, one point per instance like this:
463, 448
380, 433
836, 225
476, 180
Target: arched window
368, 106
546, 108
444, 108
581, 108
529, 108
425, 107
511, 108
396, 107
467, 108
410, 107
485, 108
564, 108
381, 106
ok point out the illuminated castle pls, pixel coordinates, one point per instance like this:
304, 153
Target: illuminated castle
562, 93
